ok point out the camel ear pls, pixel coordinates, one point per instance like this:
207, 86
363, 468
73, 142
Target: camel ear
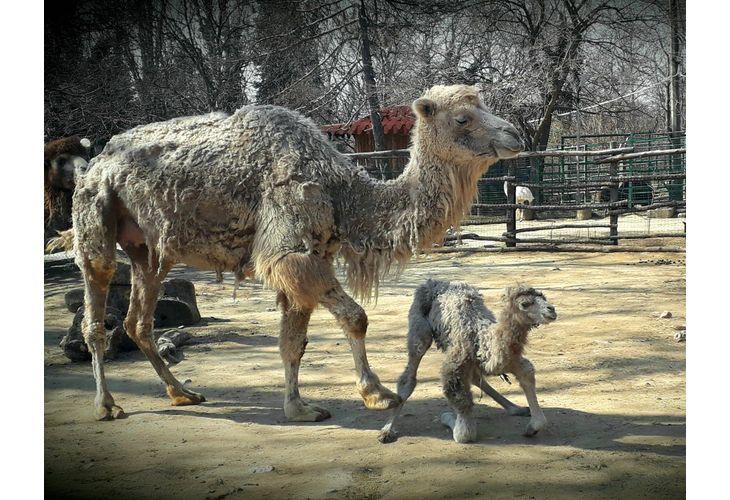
424, 108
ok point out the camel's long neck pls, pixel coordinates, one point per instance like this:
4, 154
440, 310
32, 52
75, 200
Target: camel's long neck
390, 221
511, 330
442, 196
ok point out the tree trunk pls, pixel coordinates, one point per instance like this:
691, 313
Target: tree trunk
369, 80
675, 125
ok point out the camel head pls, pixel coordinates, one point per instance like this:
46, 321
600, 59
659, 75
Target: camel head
455, 125
528, 306
61, 158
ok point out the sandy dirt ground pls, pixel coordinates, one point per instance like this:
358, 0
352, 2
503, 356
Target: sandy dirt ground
610, 377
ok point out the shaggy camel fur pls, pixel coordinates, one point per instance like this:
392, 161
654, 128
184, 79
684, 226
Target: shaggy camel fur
475, 345
61, 158
263, 192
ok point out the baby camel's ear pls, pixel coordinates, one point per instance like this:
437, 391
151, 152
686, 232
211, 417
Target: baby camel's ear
424, 108
507, 294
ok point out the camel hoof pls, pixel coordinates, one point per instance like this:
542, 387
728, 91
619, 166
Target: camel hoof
532, 429
529, 431
184, 397
519, 411
386, 437
303, 412
377, 397
109, 412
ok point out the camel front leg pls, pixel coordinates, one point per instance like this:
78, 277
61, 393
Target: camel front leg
512, 409
292, 343
525, 373
353, 320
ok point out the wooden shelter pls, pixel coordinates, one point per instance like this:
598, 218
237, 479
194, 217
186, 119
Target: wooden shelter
397, 124
398, 121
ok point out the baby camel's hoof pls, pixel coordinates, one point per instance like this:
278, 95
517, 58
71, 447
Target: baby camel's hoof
109, 412
184, 397
377, 397
386, 437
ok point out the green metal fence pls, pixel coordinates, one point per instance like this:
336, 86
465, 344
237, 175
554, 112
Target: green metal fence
576, 180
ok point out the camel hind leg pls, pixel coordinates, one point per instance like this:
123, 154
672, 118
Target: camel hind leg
146, 282
95, 234
420, 338
97, 274
512, 409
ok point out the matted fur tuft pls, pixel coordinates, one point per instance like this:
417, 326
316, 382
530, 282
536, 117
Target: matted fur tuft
64, 241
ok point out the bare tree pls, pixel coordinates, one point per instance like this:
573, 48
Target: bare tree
552, 66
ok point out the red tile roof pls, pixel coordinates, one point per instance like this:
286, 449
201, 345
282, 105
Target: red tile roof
396, 120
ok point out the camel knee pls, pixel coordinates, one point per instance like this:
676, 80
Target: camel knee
354, 321
525, 371
406, 383
349, 314
527, 367
139, 331
357, 323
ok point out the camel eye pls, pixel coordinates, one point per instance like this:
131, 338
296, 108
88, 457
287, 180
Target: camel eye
525, 305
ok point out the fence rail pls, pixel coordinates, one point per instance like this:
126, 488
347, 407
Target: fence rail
630, 188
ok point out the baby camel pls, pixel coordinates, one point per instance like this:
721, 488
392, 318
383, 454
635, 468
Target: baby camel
475, 345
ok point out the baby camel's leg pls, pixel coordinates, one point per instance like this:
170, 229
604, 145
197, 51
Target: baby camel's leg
146, 283
457, 389
512, 409
354, 322
525, 373
292, 342
420, 337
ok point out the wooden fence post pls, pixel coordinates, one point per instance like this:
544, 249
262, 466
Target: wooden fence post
511, 199
613, 172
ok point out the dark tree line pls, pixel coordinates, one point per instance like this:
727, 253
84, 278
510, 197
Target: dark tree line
111, 65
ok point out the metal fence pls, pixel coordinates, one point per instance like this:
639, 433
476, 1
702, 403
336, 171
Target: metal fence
584, 195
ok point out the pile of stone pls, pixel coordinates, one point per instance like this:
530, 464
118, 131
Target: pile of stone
176, 307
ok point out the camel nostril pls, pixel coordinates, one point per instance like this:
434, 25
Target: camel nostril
514, 134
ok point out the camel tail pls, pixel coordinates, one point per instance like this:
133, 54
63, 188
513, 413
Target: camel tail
64, 241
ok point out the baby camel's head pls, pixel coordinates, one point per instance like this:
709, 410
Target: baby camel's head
528, 306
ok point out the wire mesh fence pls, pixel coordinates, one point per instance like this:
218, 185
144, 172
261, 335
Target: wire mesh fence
606, 190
